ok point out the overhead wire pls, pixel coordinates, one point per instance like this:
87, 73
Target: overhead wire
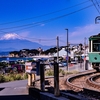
97, 3
69, 42
26, 41
45, 14
46, 21
39, 39
49, 21
62, 41
95, 6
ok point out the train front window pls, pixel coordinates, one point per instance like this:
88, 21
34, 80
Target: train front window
96, 45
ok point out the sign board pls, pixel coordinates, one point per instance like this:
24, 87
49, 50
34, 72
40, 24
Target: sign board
30, 67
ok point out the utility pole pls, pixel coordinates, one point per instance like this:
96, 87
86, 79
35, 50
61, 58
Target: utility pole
56, 72
80, 50
85, 46
67, 49
57, 49
84, 53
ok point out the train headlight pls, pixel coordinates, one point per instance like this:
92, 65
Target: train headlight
95, 58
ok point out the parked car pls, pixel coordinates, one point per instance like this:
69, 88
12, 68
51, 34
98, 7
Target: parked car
4, 61
20, 61
12, 62
62, 63
73, 62
8, 69
18, 68
15, 68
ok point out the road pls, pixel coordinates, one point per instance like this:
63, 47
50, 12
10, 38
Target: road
76, 67
16, 90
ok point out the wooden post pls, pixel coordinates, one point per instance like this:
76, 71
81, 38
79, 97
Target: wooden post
56, 79
29, 79
42, 78
57, 49
33, 77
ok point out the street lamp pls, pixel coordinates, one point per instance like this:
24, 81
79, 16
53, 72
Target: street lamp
67, 48
97, 18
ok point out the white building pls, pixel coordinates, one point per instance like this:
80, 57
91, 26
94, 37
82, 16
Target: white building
62, 53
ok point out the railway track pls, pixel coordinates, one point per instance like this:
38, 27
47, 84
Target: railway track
78, 82
82, 86
92, 81
86, 85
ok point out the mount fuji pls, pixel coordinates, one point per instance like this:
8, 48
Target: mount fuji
14, 42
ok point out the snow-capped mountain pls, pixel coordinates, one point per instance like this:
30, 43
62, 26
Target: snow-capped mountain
10, 36
12, 42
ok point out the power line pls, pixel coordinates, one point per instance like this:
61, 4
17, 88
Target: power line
97, 3
95, 6
39, 39
46, 21
18, 29
45, 14
24, 41
62, 41
69, 42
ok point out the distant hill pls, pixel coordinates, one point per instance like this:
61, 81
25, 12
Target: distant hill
4, 53
12, 42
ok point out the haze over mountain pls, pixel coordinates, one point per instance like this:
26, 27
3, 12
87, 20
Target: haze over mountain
12, 42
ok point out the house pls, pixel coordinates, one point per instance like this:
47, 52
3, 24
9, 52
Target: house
62, 53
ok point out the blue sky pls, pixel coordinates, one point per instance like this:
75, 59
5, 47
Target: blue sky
43, 20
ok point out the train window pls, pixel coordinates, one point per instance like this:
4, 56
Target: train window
96, 45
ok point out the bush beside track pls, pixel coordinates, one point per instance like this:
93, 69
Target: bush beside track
13, 77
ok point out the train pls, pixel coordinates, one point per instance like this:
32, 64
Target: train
94, 51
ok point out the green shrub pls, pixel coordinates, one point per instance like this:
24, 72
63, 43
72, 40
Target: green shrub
12, 76
63, 72
60, 70
49, 73
25, 76
11, 79
18, 77
22, 76
6, 78
2, 78
71, 72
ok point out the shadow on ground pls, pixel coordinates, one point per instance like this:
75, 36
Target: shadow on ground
1, 89
16, 97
